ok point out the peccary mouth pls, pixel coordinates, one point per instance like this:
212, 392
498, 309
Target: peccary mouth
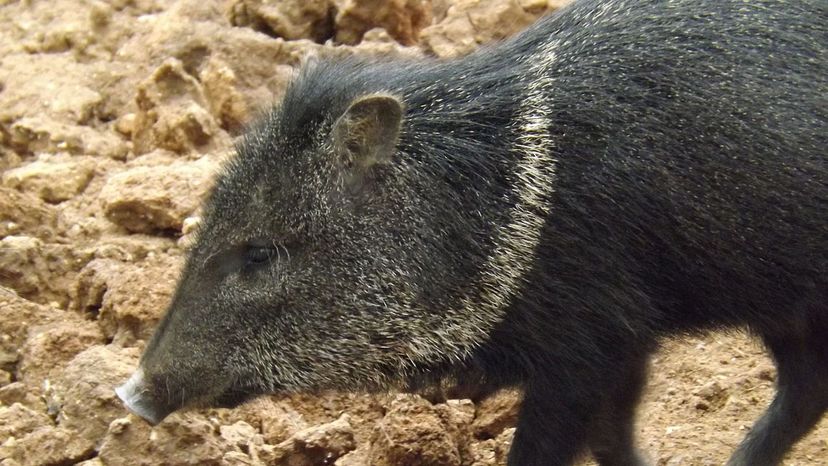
137, 397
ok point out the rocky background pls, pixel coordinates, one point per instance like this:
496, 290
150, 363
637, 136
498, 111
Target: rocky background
114, 116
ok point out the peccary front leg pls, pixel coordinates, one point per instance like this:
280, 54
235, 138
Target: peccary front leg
612, 431
552, 428
588, 408
801, 399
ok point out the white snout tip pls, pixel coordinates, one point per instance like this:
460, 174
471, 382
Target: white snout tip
133, 394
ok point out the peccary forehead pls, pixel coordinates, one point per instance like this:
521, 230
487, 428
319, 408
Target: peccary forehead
257, 200
284, 174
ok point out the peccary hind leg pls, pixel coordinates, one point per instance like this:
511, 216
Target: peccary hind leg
801, 399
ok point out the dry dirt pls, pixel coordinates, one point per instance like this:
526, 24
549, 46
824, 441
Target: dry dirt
113, 118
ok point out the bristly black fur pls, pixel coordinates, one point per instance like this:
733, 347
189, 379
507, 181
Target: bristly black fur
622, 171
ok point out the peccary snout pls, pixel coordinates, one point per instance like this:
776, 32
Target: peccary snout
138, 399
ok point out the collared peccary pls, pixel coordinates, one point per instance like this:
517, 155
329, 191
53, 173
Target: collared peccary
536, 214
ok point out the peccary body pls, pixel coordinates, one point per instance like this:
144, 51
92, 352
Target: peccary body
537, 214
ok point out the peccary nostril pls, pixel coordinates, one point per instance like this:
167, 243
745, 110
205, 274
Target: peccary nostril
136, 397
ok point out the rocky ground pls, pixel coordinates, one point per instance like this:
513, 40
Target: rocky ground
113, 118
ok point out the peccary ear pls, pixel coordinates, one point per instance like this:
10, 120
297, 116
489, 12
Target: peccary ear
366, 134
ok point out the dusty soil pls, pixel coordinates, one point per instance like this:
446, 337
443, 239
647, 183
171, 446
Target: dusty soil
113, 118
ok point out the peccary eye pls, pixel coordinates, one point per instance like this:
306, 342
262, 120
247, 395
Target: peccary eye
255, 255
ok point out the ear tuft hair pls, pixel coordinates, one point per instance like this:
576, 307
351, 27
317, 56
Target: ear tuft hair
367, 133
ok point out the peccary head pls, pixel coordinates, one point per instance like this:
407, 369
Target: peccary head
331, 254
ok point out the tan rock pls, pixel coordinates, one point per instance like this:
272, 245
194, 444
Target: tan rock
237, 458
24, 214
52, 179
282, 423
710, 397
127, 299
85, 29
134, 248
403, 19
95, 280
483, 453
321, 444
413, 433
492, 452
84, 393
238, 434
93, 462
469, 23
457, 416
38, 270
378, 42
503, 444
72, 95
50, 347
17, 420
147, 199
496, 413
182, 439
292, 19
18, 392
195, 10
172, 112
43, 134
18, 316
190, 32
275, 420
226, 102
358, 457
21, 264
48, 445
126, 124
8, 158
